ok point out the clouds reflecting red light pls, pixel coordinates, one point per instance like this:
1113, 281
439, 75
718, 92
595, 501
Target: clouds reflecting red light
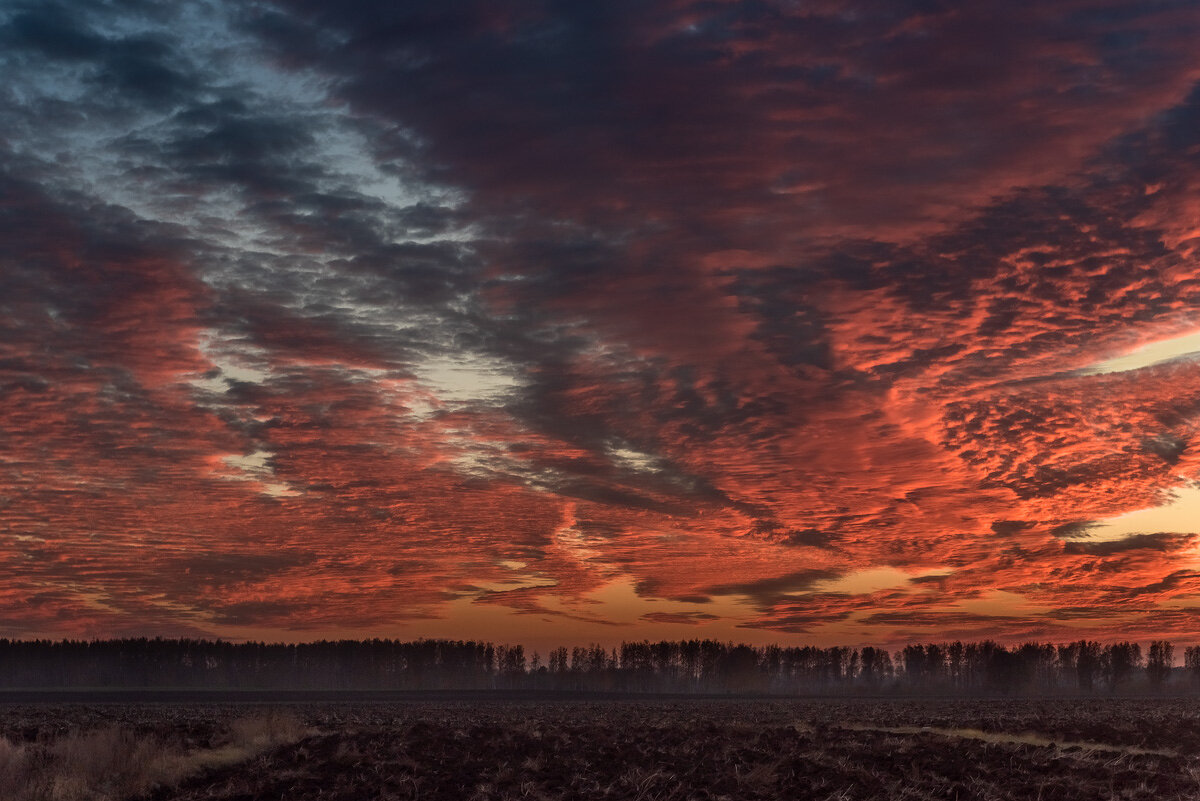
597, 322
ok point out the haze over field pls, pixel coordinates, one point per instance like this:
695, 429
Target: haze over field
558, 322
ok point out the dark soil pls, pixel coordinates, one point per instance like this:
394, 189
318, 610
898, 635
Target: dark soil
715, 750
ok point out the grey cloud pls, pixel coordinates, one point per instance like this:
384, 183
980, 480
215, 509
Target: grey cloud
765, 591
1163, 541
227, 568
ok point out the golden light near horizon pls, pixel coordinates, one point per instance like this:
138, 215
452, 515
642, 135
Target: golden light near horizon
1163, 351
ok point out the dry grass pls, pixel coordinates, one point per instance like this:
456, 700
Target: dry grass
1021, 738
114, 764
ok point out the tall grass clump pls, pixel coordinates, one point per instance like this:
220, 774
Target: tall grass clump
115, 764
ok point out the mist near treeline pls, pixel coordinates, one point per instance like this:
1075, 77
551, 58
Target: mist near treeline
685, 666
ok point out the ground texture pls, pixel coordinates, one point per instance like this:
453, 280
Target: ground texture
702, 749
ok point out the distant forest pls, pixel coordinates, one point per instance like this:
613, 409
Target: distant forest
690, 666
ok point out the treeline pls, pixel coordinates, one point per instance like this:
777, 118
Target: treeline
688, 666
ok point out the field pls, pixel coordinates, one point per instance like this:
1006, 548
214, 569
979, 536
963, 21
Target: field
631, 749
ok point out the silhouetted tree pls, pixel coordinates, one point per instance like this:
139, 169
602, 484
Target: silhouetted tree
1159, 662
1087, 663
1191, 663
1119, 662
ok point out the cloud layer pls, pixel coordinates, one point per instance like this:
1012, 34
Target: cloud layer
597, 321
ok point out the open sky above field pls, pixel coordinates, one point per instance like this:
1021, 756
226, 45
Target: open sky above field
559, 322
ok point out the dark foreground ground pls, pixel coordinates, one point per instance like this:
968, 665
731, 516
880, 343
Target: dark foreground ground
680, 749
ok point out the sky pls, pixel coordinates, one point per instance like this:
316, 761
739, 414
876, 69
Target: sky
558, 322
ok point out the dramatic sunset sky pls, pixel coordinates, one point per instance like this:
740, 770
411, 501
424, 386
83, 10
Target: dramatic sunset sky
564, 321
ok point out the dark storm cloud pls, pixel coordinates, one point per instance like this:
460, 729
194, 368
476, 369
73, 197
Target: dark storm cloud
54, 31
630, 101
145, 70
225, 144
